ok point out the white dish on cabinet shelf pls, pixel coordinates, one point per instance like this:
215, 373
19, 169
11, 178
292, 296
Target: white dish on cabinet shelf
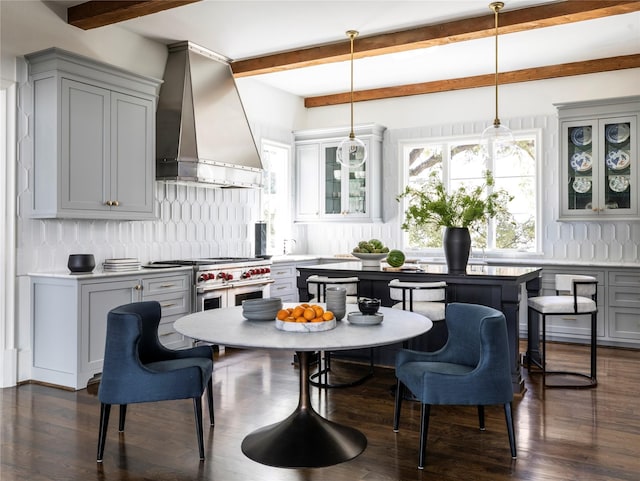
618, 183
581, 161
582, 185
581, 136
618, 159
617, 133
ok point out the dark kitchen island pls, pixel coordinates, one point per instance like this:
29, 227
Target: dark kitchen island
495, 286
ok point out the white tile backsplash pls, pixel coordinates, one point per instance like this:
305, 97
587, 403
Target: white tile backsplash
193, 222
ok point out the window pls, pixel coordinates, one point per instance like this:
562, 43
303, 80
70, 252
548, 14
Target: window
460, 161
276, 205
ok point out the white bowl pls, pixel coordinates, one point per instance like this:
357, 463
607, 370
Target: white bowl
370, 259
305, 326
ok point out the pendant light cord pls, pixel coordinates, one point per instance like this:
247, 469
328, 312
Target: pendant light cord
352, 34
496, 6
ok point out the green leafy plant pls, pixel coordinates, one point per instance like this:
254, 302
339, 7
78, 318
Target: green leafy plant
463, 207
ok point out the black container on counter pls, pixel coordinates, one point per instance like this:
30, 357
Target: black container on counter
261, 239
81, 262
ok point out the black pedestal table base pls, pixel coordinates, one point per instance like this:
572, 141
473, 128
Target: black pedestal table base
304, 439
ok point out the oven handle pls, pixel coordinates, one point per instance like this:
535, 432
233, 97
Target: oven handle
257, 282
233, 284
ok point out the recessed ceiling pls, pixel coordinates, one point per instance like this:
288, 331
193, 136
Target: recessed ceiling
245, 29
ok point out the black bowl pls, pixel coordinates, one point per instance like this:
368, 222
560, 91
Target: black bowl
81, 262
368, 306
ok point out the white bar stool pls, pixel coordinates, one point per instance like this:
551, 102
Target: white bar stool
577, 295
317, 288
426, 298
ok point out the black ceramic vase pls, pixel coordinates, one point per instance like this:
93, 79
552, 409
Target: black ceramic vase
457, 245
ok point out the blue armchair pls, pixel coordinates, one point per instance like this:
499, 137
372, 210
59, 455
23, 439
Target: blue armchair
138, 368
471, 369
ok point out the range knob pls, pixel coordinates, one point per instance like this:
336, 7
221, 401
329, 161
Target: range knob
246, 274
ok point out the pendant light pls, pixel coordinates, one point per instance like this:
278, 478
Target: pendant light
497, 137
352, 152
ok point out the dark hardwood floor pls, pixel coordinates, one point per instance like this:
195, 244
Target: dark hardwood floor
562, 434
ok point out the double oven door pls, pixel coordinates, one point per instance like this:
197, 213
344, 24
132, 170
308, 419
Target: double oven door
229, 296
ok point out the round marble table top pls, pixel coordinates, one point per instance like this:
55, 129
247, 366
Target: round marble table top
227, 327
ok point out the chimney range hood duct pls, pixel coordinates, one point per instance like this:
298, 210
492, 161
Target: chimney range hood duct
202, 130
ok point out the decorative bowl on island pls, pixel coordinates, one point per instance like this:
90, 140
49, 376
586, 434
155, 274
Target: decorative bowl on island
370, 259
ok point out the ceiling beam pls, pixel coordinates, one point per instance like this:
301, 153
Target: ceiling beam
97, 13
516, 76
547, 15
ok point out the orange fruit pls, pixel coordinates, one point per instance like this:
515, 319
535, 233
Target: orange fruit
305, 305
327, 316
309, 314
300, 319
319, 310
282, 314
297, 312
290, 319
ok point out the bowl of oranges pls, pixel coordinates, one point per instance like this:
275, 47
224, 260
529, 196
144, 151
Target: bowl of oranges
305, 318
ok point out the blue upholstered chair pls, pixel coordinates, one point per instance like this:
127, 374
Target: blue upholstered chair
471, 369
138, 368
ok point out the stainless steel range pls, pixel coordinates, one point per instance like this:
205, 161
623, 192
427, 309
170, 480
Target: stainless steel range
226, 281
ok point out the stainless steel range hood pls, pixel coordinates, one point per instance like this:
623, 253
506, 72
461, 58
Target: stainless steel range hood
202, 130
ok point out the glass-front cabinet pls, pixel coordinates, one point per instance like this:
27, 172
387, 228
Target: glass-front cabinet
329, 191
599, 160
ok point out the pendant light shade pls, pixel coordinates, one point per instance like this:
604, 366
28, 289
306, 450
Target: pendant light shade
497, 138
352, 151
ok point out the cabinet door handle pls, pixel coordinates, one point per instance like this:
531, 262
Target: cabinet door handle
108, 203
138, 287
164, 286
115, 203
168, 305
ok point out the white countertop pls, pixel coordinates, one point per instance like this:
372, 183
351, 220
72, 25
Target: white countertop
98, 273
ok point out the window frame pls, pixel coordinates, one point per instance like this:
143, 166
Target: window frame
405, 143
272, 247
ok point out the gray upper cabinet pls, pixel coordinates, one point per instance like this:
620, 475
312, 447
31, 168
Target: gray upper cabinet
94, 139
326, 191
599, 159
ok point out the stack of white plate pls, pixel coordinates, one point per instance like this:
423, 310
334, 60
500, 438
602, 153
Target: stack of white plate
261, 309
121, 264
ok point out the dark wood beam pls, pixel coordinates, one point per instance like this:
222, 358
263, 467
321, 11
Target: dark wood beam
97, 13
525, 75
547, 15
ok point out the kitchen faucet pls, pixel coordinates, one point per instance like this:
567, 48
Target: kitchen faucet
284, 245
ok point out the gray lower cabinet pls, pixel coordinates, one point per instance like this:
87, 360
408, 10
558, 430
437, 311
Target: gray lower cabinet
624, 304
618, 320
284, 282
93, 137
285, 277
70, 318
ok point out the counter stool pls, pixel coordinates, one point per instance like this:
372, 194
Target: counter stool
317, 287
426, 298
575, 294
